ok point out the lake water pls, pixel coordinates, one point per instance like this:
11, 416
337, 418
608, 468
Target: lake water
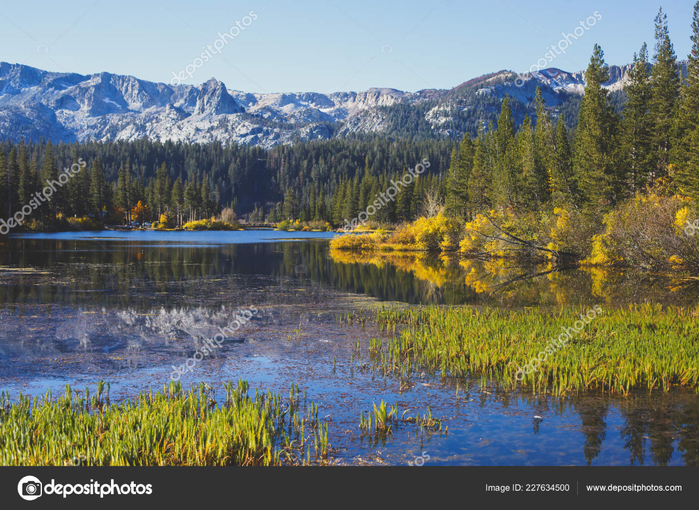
130, 307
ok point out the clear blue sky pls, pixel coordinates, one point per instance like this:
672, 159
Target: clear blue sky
326, 45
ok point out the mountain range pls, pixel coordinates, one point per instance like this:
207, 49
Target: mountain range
72, 107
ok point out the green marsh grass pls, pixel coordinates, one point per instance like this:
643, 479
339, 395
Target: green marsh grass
384, 419
169, 428
638, 347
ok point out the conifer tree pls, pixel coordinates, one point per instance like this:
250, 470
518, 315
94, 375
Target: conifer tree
177, 200
338, 204
3, 184
594, 165
480, 183
98, 198
404, 201
291, 206
544, 141
686, 147
124, 191
528, 184
11, 181
665, 90
354, 198
561, 179
638, 143
457, 203
312, 202
505, 172
49, 175
28, 180
161, 189
206, 203
25, 189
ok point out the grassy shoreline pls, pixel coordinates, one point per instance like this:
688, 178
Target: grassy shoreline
641, 347
173, 427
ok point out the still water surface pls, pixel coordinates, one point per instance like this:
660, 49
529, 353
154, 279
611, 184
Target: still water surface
130, 306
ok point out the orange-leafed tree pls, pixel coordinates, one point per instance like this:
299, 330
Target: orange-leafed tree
140, 212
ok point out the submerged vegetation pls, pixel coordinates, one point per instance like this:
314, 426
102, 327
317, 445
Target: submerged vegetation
618, 350
170, 428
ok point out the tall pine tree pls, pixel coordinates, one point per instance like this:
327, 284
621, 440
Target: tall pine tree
561, 179
457, 203
686, 147
637, 126
594, 165
665, 90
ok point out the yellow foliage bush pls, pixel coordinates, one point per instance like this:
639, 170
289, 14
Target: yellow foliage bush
474, 242
84, 223
682, 220
648, 231
424, 234
209, 225
483, 237
356, 242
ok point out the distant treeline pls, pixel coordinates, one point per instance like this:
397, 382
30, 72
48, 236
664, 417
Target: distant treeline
192, 181
613, 153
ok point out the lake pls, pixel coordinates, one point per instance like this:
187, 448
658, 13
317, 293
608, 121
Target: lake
131, 307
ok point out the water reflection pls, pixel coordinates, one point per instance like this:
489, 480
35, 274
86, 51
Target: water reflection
127, 270
498, 282
127, 308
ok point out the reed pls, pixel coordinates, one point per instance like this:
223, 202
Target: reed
384, 420
637, 347
169, 428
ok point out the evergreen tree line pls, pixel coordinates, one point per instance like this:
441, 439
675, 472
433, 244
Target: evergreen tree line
613, 154
141, 181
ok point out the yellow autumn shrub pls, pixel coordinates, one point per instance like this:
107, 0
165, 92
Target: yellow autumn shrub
438, 233
648, 231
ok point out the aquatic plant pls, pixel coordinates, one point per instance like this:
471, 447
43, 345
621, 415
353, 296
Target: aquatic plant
381, 420
384, 419
170, 428
638, 347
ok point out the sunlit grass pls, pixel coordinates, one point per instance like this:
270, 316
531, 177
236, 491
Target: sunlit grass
638, 347
170, 428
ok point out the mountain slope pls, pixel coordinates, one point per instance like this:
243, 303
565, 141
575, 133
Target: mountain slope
68, 107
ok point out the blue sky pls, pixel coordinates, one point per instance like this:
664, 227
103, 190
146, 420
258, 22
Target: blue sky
326, 45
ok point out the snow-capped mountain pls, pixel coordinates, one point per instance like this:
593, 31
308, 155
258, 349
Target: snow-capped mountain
68, 107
